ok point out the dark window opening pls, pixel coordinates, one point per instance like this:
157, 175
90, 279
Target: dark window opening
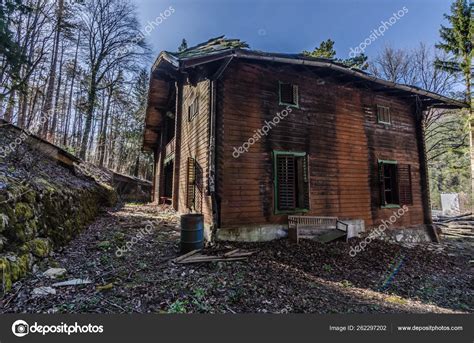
291, 182
193, 109
168, 173
395, 180
288, 94
389, 183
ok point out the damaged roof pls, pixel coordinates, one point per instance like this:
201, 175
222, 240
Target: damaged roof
220, 48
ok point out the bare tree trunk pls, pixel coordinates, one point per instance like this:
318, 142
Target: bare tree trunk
103, 133
71, 90
52, 130
52, 73
91, 98
9, 110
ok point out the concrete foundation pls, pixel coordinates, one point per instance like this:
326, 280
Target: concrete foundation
417, 234
257, 233
355, 228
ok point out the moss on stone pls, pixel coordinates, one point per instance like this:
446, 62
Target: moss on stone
5, 275
23, 211
40, 247
19, 267
22, 232
29, 197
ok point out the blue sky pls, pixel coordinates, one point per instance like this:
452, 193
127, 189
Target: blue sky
293, 26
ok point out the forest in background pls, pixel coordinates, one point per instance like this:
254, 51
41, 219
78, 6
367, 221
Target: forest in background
76, 74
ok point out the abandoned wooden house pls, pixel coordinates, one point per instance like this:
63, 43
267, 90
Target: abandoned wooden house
248, 138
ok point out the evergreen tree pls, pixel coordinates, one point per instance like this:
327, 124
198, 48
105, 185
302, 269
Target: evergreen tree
183, 46
10, 51
325, 50
457, 41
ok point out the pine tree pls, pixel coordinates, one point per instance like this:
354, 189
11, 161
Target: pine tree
183, 46
457, 41
325, 50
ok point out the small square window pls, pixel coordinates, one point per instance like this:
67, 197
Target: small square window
288, 94
383, 115
193, 109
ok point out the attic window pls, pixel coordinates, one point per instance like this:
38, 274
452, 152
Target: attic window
193, 109
288, 94
383, 115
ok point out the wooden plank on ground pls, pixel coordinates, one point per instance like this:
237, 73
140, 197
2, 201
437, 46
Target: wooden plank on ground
211, 259
231, 252
182, 257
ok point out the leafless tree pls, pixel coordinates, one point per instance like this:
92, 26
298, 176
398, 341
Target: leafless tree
111, 37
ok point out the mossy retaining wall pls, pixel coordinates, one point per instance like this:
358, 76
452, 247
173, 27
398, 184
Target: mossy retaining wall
43, 205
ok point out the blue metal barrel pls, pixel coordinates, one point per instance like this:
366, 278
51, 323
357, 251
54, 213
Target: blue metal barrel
192, 232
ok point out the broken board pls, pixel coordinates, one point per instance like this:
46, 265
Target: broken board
330, 236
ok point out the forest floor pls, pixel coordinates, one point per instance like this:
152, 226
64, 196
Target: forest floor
281, 277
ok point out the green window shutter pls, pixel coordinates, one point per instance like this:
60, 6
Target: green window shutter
295, 95
285, 182
292, 181
404, 182
382, 184
306, 178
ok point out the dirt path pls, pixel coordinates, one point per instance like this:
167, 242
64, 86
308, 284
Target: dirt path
281, 277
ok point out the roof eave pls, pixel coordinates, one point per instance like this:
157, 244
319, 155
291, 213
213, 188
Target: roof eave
389, 84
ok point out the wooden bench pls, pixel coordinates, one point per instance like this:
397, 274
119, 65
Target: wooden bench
315, 224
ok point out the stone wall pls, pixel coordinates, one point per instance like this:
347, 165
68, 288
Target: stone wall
44, 203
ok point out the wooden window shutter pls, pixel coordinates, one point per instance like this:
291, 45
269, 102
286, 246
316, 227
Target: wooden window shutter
295, 94
382, 184
191, 183
285, 178
306, 179
404, 182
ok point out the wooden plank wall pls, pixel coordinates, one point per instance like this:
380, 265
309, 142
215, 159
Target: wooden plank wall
195, 144
335, 124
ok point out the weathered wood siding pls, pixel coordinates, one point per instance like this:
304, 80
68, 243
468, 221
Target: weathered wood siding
195, 144
335, 124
